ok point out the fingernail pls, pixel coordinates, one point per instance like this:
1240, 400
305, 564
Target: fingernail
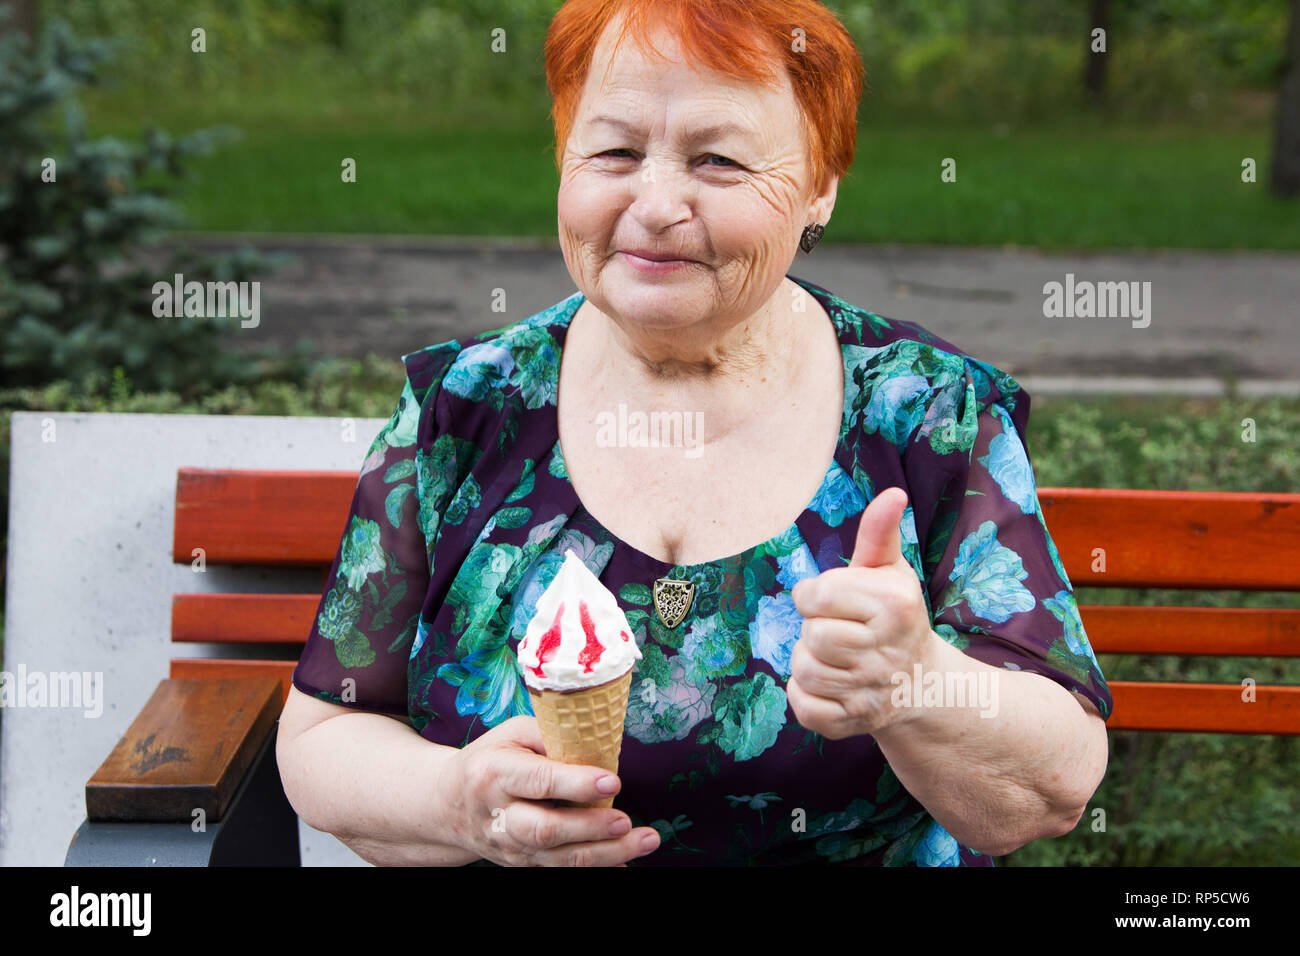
607, 783
620, 826
649, 843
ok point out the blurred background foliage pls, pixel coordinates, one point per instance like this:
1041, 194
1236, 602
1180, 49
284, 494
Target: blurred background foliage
994, 59
413, 91
1180, 799
74, 213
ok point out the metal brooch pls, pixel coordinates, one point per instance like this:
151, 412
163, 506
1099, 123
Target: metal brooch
672, 600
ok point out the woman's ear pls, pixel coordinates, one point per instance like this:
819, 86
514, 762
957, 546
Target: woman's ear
821, 207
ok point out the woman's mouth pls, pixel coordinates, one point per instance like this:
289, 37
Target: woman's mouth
654, 266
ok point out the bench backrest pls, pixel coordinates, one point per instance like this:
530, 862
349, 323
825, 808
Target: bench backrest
1106, 537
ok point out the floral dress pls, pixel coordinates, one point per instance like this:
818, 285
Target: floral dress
463, 512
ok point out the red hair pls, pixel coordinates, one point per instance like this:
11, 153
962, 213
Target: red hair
745, 39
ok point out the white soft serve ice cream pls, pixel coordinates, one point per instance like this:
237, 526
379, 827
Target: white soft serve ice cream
579, 636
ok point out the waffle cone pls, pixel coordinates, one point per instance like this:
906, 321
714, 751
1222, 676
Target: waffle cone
584, 726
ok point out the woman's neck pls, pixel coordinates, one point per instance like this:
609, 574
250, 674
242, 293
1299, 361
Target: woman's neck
733, 380
699, 359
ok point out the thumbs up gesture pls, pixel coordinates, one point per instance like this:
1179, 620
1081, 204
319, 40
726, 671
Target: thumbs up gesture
862, 624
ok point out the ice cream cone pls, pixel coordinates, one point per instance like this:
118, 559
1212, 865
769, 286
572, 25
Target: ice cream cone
584, 726
576, 658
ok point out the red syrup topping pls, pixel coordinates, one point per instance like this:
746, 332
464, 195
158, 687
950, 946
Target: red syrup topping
592, 650
550, 641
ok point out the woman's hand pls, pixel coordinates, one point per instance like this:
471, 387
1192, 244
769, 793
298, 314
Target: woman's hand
863, 624
496, 794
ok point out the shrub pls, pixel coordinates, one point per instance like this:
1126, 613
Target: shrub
75, 216
1180, 799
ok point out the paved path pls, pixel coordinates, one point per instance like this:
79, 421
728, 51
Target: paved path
1213, 315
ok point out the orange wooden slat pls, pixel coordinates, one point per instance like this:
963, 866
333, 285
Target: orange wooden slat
214, 667
1178, 539
1112, 629
1189, 539
1205, 708
243, 618
261, 517
189, 748
1120, 629
1150, 539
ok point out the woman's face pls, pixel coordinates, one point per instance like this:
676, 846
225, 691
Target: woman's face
691, 165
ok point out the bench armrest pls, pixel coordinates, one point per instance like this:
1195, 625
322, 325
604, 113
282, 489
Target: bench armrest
193, 781
186, 752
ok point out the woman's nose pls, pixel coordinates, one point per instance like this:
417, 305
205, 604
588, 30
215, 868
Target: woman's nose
662, 194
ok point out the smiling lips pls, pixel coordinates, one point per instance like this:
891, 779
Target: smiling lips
648, 262
653, 256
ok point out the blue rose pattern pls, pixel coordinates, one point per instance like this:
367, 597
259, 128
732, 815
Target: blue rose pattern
1009, 465
478, 370
773, 634
987, 577
837, 498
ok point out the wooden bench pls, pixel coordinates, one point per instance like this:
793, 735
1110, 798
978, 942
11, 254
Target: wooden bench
1188, 540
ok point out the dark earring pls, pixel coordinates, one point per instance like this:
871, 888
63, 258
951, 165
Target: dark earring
811, 234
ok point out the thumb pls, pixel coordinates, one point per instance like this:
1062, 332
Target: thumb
521, 730
879, 541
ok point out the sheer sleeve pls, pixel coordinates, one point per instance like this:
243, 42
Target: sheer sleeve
995, 583
357, 651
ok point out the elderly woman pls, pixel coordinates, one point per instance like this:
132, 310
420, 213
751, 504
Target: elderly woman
880, 660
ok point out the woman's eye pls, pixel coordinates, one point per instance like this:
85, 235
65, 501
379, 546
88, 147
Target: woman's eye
725, 164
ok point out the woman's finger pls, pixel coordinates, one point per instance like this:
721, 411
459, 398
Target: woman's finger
533, 777
848, 593
542, 827
816, 713
836, 642
821, 679
639, 842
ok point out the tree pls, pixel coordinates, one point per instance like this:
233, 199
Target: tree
75, 214
1286, 146
21, 16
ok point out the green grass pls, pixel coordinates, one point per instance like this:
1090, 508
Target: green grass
1082, 182
429, 181
1089, 186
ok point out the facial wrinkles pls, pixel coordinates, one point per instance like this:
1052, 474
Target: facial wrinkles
618, 208
678, 195
772, 162
771, 151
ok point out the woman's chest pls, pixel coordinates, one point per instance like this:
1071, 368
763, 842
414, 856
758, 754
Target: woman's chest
684, 482
660, 482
